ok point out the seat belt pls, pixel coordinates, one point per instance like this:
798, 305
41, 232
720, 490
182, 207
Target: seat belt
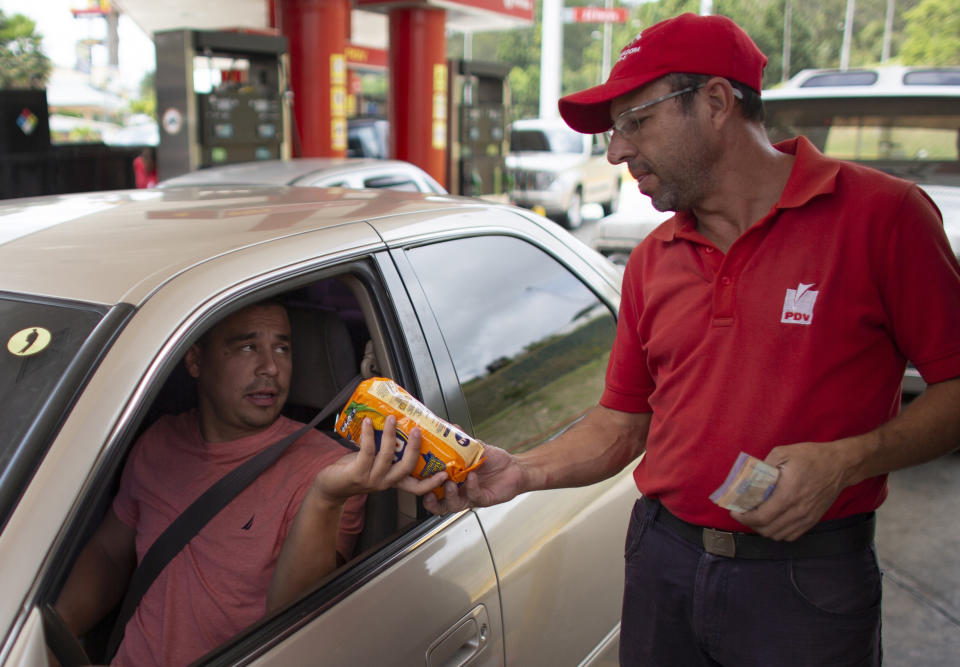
204, 508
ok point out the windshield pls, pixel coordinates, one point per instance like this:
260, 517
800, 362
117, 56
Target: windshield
41, 339
915, 138
548, 140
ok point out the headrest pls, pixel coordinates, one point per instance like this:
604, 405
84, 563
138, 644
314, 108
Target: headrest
323, 356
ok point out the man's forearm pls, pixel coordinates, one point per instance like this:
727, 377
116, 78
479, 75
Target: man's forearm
99, 576
309, 552
597, 447
927, 428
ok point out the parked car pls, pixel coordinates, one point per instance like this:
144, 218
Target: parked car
318, 172
494, 317
559, 170
615, 236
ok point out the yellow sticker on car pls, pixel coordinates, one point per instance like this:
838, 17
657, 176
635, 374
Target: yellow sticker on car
28, 341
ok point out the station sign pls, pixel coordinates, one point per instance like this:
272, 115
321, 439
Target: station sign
520, 11
595, 15
365, 57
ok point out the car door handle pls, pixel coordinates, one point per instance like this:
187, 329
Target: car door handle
465, 639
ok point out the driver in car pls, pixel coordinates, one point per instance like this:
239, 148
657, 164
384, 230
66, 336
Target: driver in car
271, 544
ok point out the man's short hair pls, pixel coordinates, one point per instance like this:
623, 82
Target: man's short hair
751, 106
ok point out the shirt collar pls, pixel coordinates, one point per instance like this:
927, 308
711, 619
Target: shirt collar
813, 174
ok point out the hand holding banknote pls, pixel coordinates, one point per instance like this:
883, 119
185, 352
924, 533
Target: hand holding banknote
749, 482
811, 476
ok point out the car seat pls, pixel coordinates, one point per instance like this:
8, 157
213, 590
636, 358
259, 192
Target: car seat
323, 360
323, 363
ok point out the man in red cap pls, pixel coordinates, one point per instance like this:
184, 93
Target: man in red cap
772, 315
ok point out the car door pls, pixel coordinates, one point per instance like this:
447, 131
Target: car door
431, 595
528, 338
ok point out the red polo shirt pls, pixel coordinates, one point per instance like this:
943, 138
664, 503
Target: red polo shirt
800, 332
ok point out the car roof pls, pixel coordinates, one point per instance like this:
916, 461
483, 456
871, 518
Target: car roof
120, 246
281, 172
538, 123
886, 81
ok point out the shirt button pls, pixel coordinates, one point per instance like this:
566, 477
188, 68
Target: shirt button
725, 280
708, 249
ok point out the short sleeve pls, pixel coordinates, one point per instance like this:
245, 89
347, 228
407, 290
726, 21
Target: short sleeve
316, 452
628, 382
125, 504
921, 289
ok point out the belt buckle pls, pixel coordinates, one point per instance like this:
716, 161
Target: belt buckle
719, 543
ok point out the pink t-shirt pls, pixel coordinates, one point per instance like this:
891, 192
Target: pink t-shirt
218, 584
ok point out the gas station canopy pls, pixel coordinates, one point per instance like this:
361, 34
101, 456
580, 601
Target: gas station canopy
302, 87
369, 28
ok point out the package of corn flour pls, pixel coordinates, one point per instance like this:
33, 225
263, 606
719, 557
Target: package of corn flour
443, 446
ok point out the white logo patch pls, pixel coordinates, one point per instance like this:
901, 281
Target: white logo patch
798, 305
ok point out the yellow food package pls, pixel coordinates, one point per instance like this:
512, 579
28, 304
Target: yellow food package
442, 445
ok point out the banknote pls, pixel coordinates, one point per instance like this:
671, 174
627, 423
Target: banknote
749, 482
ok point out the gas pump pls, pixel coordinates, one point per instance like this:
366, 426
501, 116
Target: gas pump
220, 99
479, 101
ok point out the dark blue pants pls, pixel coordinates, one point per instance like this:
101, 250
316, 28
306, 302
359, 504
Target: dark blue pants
685, 607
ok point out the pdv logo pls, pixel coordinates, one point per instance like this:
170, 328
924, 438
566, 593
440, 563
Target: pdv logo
798, 305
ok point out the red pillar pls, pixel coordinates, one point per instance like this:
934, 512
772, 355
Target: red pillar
316, 42
417, 98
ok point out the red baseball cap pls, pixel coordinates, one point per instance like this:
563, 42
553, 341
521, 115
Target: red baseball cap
688, 43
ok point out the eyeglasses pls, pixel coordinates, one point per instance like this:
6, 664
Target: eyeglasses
627, 122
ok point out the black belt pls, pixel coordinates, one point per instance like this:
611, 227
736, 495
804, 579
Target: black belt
828, 538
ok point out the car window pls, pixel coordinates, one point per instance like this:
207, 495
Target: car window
337, 332
556, 139
841, 79
598, 145
528, 140
393, 181
366, 138
915, 138
41, 341
362, 142
529, 340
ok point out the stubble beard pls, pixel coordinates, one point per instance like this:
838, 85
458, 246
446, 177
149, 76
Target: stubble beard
688, 177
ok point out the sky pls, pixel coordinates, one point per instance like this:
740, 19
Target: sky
61, 31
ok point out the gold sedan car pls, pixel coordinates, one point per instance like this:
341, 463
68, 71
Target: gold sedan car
495, 318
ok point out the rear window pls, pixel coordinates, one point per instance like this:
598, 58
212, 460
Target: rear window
912, 137
840, 79
932, 77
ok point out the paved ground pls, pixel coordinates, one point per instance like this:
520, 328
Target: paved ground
919, 545
918, 541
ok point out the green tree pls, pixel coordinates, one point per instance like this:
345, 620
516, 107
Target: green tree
932, 34
924, 32
146, 103
22, 61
